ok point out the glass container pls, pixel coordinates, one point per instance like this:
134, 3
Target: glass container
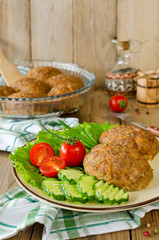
44, 107
121, 78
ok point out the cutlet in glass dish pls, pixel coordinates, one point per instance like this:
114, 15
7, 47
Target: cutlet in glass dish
28, 105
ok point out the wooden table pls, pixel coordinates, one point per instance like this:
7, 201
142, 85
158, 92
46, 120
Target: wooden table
96, 110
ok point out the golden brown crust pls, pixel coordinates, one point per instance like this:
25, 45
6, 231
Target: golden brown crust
6, 91
42, 73
119, 165
121, 157
130, 135
64, 83
30, 85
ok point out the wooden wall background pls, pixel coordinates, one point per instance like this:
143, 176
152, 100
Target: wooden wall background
80, 31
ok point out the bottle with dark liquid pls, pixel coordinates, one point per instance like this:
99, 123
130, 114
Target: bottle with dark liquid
121, 79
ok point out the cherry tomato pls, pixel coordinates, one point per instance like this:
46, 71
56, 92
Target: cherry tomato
73, 153
51, 165
40, 151
146, 233
118, 103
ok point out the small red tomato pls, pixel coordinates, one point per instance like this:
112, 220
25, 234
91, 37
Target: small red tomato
146, 233
40, 151
51, 165
73, 153
118, 103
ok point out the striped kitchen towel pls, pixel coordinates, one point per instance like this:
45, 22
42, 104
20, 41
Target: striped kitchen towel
16, 133
61, 224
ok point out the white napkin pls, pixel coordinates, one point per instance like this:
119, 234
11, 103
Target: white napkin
16, 133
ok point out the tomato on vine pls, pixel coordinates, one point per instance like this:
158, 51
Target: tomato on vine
73, 152
118, 103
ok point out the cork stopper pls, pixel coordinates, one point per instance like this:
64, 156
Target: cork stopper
124, 45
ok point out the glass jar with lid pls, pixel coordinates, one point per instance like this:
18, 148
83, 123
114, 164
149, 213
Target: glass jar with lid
121, 78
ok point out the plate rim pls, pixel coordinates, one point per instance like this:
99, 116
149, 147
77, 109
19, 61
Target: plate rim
60, 204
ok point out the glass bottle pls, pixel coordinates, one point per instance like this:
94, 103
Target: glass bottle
121, 79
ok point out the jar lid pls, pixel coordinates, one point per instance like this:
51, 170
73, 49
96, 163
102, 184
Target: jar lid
149, 74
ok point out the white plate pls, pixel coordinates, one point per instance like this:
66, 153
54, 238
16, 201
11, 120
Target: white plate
137, 199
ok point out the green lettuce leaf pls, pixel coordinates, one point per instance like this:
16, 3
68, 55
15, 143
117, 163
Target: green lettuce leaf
87, 133
22, 163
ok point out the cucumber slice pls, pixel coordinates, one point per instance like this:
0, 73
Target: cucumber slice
71, 192
85, 185
52, 187
70, 174
108, 193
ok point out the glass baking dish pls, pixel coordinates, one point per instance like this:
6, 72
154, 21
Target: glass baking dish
47, 106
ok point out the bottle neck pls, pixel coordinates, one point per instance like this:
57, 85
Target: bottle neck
123, 63
123, 56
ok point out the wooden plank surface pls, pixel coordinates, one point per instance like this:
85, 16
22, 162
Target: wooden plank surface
94, 27
51, 30
65, 30
152, 218
7, 180
138, 20
123, 235
80, 31
14, 29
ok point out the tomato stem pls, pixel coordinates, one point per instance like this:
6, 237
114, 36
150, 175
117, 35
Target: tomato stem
71, 141
123, 104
